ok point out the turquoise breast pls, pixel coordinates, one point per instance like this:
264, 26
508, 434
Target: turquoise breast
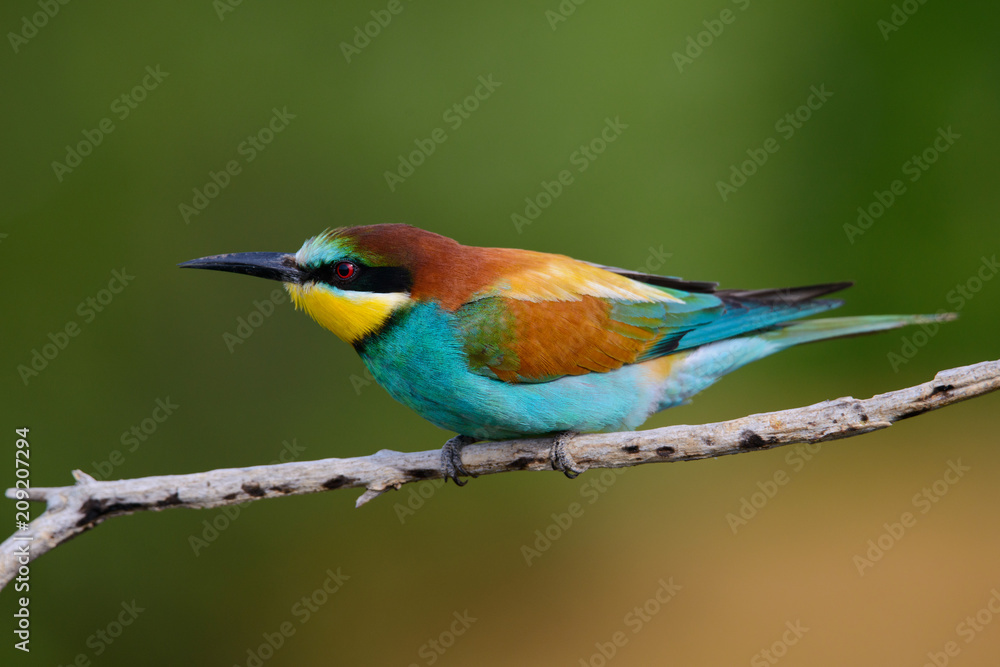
418, 358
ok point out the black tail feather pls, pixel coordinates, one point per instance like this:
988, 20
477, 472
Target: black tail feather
786, 296
777, 296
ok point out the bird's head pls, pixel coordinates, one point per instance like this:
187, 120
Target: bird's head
350, 280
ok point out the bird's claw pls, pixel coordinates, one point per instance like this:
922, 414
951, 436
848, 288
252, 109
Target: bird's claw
451, 459
561, 459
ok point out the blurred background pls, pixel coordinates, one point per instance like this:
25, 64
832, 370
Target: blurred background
139, 135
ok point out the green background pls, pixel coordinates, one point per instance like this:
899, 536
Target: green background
653, 188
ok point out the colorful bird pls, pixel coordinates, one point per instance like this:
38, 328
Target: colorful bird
497, 343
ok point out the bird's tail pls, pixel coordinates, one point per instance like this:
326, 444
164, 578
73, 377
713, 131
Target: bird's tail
810, 331
698, 369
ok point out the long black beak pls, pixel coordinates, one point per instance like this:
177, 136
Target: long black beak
270, 265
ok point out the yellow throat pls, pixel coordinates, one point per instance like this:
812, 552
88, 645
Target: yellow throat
350, 315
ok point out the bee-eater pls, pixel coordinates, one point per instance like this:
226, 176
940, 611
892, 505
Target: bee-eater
495, 343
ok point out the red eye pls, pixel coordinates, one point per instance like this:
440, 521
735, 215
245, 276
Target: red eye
345, 270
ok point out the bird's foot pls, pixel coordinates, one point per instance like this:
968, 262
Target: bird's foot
451, 459
561, 459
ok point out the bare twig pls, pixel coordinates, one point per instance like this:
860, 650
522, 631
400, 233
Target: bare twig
72, 510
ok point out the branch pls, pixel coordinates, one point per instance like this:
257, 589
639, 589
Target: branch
72, 510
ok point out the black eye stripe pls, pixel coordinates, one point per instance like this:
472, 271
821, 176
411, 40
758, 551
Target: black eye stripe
380, 279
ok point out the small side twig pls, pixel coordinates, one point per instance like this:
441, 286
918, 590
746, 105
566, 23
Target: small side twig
72, 510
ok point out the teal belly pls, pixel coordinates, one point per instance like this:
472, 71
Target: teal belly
420, 362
